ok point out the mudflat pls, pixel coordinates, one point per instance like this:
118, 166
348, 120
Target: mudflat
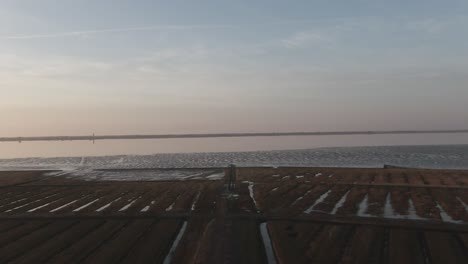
251, 215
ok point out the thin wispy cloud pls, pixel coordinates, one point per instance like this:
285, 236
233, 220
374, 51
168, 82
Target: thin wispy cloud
114, 30
437, 25
77, 33
304, 38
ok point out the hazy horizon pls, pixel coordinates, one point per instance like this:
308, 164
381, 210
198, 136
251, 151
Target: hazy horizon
227, 145
150, 67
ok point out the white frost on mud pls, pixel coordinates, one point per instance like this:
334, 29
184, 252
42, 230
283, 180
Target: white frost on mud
389, 212
62, 172
318, 201
14, 202
86, 205
170, 207
388, 209
412, 213
340, 203
37, 208
26, 204
301, 197
252, 194
7, 196
146, 208
463, 203
267, 244
445, 216
107, 205
170, 255
63, 206
275, 189
179, 174
129, 204
363, 207
216, 176
42, 206
318, 174
194, 203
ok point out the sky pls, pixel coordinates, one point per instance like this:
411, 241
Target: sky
72, 67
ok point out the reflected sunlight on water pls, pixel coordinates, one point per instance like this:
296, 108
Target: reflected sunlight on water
154, 146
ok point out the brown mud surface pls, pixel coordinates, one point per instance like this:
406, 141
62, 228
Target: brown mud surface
312, 215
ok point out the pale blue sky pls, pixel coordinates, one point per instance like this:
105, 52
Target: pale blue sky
83, 66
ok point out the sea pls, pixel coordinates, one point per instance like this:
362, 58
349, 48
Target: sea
437, 151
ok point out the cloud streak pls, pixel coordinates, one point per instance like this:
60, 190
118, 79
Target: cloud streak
113, 30
303, 38
78, 33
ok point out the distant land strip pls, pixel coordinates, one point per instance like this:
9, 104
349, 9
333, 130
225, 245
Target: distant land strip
225, 135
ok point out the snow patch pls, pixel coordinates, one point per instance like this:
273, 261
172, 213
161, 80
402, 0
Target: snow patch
42, 206
146, 208
318, 201
363, 207
463, 203
14, 202
412, 213
446, 217
388, 209
86, 205
24, 205
63, 206
129, 204
194, 203
216, 176
107, 205
340, 203
252, 194
302, 197
173, 203
170, 207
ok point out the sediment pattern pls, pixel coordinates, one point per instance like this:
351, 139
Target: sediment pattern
273, 215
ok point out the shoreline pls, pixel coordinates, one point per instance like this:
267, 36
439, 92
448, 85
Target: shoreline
224, 135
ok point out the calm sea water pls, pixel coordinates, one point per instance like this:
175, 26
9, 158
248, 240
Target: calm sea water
424, 151
154, 146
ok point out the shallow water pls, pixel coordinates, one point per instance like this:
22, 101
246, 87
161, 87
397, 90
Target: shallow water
443, 156
414, 150
154, 146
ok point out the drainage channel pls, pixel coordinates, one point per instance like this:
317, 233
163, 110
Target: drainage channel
271, 259
170, 255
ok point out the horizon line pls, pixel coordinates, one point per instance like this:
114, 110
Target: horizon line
94, 137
